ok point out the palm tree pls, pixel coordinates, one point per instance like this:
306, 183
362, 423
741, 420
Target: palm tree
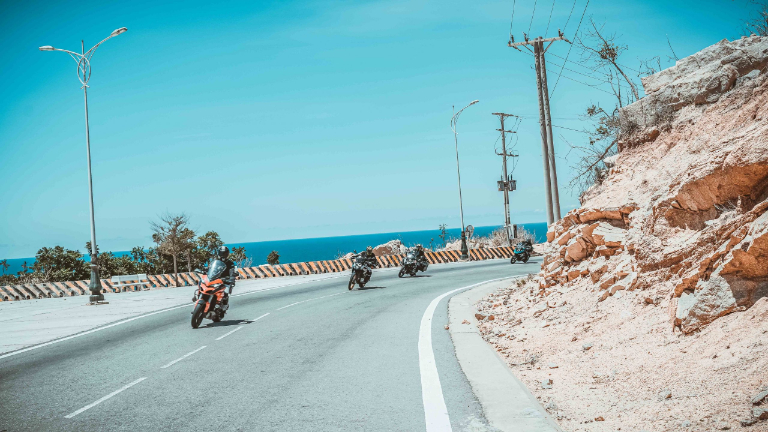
5, 265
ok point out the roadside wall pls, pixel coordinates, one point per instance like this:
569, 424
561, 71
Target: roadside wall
75, 288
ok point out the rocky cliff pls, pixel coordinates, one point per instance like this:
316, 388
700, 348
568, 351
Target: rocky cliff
682, 211
651, 308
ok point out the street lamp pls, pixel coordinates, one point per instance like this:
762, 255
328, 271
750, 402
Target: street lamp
454, 119
83, 61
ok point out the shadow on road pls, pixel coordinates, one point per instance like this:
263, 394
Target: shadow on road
226, 323
421, 276
369, 288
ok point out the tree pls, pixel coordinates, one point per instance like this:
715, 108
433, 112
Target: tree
442, 233
601, 53
208, 244
273, 258
172, 236
758, 22
57, 264
5, 265
240, 258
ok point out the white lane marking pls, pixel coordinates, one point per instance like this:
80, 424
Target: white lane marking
255, 319
304, 301
182, 357
89, 332
435, 411
11, 354
87, 407
222, 337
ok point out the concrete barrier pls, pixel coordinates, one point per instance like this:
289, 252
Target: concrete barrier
74, 288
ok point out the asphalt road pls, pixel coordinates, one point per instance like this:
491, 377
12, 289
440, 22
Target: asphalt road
312, 357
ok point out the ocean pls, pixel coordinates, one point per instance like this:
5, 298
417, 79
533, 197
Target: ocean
328, 248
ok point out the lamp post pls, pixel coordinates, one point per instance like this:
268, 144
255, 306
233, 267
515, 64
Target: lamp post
454, 119
83, 61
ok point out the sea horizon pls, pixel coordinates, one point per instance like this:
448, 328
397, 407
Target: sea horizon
328, 248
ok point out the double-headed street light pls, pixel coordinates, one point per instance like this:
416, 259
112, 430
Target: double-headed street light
454, 119
83, 61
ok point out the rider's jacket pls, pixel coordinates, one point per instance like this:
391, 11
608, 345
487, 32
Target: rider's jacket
419, 254
370, 258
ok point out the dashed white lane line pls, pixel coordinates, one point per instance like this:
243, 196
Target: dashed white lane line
255, 319
228, 333
182, 357
21, 351
435, 411
304, 301
87, 407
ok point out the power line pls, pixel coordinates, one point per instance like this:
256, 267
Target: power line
569, 49
512, 21
532, 15
550, 18
602, 81
569, 16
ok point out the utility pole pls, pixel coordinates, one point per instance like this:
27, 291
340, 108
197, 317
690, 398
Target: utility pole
506, 184
545, 120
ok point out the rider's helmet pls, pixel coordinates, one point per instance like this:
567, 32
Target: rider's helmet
369, 249
418, 246
223, 253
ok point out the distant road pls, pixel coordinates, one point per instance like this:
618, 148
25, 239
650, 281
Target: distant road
311, 357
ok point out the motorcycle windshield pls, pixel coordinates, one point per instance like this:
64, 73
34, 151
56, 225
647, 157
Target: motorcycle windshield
216, 270
410, 255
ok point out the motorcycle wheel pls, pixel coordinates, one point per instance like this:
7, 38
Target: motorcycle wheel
513, 259
402, 272
197, 315
525, 258
351, 282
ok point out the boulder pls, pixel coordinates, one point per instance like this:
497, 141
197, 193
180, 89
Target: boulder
711, 300
392, 247
608, 235
576, 250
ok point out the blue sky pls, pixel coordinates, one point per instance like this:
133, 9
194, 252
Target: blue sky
292, 119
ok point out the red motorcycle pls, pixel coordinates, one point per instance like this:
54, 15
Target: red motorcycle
209, 295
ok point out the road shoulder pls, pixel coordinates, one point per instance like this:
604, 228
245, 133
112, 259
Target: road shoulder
507, 403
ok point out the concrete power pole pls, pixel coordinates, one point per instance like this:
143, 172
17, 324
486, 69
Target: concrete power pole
545, 121
506, 184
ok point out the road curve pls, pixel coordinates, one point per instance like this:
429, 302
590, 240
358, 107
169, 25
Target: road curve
311, 357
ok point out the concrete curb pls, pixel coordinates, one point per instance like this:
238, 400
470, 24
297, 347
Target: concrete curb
507, 403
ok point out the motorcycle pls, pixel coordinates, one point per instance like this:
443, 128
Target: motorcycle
411, 265
361, 272
522, 252
209, 295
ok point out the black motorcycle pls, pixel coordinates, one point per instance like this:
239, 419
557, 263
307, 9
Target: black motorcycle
361, 272
522, 252
411, 265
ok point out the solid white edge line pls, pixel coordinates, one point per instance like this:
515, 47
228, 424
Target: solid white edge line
66, 338
87, 407
435, 411
222, 337
182, 357
304, 301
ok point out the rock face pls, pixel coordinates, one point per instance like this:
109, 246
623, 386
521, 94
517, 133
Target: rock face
684, 208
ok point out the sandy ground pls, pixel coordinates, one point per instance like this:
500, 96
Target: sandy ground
618, 364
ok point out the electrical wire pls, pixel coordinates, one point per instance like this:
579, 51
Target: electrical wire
575, 34
569, 16
512, 21
550, 18
532, 15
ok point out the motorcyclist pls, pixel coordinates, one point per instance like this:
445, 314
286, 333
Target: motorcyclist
369, 256
228, 276
418, 253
